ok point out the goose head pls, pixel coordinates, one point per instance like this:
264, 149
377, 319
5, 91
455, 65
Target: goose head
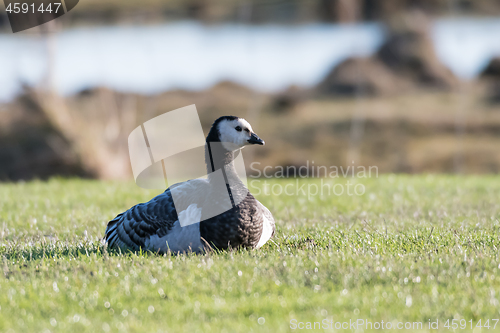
233, 133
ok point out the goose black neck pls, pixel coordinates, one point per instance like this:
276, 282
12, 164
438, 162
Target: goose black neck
219, 162
217, 157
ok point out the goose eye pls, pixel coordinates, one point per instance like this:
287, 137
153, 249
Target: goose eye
247, 130
238, 128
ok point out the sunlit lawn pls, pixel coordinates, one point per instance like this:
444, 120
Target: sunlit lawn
410, 249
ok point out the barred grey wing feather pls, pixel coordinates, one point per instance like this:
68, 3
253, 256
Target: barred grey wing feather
132, 229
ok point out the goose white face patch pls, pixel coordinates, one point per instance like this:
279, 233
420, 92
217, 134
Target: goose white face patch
230, 137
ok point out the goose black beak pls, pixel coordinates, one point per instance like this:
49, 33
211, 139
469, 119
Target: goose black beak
255, 140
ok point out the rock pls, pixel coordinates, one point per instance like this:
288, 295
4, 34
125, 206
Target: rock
287, 100
31, 147
492, 71
491, 76
409, 53
360, 76
406, 60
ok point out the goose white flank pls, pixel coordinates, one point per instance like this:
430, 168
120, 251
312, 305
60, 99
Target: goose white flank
156, 225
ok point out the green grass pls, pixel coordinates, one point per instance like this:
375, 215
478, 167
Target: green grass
411, 249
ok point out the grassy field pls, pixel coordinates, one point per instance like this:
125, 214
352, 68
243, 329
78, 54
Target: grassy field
410, 249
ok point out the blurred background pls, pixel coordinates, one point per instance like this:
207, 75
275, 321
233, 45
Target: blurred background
409, 86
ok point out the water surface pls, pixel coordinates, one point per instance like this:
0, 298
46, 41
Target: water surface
188, 55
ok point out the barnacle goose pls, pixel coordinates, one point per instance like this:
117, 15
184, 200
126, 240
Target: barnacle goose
155, 225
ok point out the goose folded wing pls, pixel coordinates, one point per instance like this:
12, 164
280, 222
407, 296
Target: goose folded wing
132, 228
